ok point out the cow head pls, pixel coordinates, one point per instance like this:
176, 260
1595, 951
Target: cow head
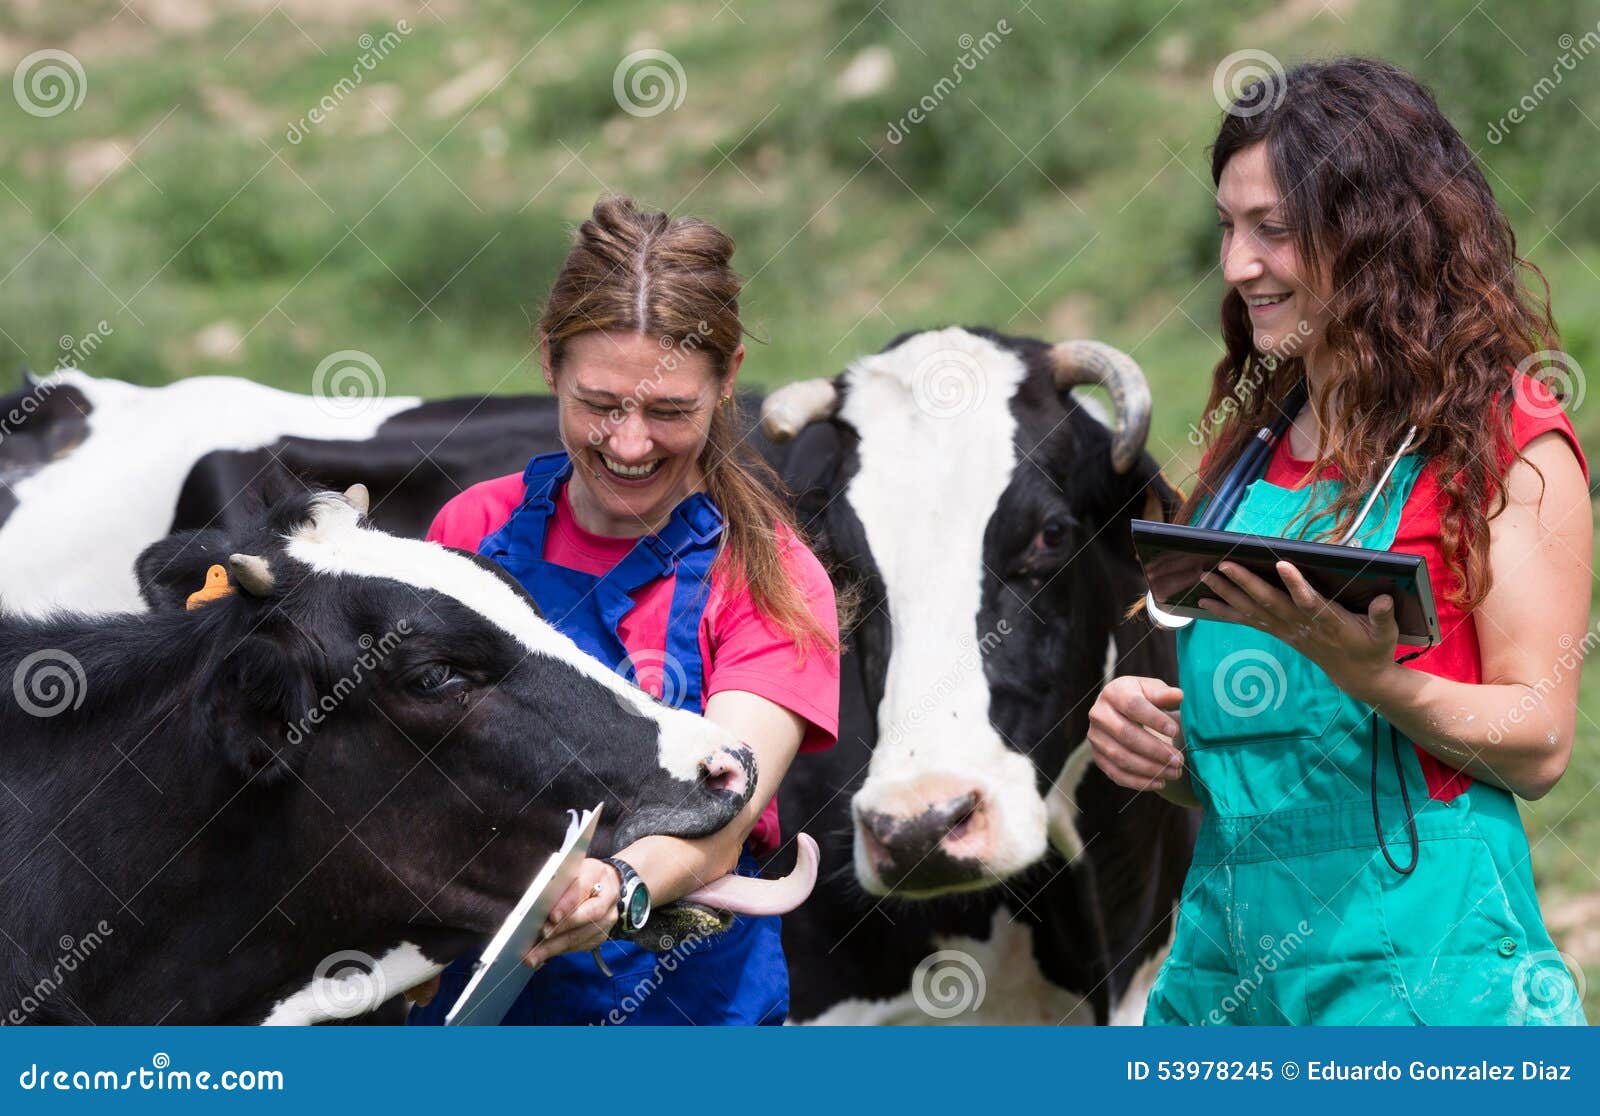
982, 509
411, 697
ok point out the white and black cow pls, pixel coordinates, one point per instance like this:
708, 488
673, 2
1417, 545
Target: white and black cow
367, 748
982, 510
159, 459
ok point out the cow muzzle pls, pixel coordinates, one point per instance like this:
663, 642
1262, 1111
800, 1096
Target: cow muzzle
944, 832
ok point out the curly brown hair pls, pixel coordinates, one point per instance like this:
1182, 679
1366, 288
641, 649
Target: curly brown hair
1430, 321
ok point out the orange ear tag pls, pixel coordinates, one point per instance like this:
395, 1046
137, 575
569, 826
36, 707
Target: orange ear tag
216, 586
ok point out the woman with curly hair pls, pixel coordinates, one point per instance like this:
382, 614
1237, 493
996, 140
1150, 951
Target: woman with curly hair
1361, 858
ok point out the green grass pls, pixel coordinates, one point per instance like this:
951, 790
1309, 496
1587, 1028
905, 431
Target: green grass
1061, 187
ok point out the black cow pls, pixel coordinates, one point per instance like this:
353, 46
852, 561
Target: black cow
365, 750
982, 512
161, 459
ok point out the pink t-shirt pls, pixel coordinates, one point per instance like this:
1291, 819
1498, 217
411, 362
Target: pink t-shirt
739, 650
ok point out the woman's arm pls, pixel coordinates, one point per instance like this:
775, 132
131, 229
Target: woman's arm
1515, 729
671, 867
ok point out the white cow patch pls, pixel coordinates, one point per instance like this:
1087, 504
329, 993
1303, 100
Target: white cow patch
347, 992
936, 453
82, 521
335, 544
1015, 992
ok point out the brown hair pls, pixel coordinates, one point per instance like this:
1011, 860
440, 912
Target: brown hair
1428, 319
645, 272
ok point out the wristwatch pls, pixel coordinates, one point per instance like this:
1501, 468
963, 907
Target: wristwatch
633, 902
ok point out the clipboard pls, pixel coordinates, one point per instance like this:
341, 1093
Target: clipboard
499, 976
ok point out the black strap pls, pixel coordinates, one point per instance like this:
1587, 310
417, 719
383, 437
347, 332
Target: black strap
1405, 797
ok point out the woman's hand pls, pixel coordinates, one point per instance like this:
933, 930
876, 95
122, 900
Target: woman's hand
583, 916
1123, 731
1356, 652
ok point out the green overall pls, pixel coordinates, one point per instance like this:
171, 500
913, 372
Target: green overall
1292, 912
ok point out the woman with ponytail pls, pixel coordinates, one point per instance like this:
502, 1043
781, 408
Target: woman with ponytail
655, 541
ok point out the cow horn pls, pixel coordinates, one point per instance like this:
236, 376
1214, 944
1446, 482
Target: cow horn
359, 498
1093, 362
252, 573
788, 410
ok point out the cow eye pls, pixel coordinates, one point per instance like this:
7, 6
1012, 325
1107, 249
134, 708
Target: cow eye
1052, 534
438, 678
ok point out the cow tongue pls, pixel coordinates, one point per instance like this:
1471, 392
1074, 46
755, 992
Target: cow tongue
750, 895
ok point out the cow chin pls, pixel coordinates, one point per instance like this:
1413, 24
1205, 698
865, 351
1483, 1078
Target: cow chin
943, 833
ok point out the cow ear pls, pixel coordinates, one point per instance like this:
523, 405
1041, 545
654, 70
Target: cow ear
1161, 499
170, 569
259, 700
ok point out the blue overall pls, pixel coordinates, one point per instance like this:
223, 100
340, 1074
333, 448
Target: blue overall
737, 977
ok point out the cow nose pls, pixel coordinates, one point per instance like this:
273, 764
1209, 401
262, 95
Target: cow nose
928, 849
730, 769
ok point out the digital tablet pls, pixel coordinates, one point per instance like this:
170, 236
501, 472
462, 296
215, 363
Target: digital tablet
1174, 557
499, 976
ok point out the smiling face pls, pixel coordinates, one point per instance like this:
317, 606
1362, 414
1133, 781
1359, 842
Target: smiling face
635, 416
1261, 260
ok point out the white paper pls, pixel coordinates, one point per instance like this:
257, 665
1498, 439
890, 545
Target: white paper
500, 974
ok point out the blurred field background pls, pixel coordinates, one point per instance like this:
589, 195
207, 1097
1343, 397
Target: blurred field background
1061, 189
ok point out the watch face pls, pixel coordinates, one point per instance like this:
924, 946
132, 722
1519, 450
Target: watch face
638, 906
